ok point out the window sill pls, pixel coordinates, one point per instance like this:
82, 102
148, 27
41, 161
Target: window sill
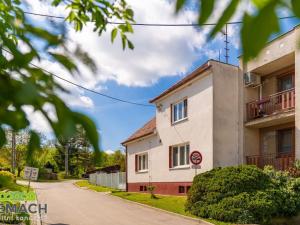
179, 121
181, 167
142, 171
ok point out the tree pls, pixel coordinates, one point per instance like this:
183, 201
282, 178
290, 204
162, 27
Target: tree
22, 83
116, 158
80, 157
257, 27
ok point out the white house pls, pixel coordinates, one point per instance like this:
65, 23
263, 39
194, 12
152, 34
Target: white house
201, 113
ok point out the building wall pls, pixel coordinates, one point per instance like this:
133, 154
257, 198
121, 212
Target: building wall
225, 115
297, 93
196, 130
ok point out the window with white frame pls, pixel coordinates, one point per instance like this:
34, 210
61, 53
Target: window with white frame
142, 162
179, 111
180, 155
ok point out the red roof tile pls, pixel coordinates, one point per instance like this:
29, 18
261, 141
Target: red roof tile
147, 129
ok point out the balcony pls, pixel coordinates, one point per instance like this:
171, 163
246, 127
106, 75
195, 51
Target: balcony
275, 104
278, 162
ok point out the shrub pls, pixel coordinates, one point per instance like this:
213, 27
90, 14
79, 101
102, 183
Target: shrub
244, 194
6, 178
294, 171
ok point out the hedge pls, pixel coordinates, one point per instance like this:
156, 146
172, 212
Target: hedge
244, 194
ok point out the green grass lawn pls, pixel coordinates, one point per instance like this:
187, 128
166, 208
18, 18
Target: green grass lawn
173, 204
14, 187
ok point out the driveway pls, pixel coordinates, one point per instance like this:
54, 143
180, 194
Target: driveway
68, 204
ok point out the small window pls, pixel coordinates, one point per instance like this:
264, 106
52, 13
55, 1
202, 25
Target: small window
145, 188
180, 155
142, 162
181, 189
179, 111
141, 188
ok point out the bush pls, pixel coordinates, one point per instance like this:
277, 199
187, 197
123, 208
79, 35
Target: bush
6, 178
243, 194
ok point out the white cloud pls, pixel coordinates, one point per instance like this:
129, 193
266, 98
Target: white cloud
109, 152
159, 51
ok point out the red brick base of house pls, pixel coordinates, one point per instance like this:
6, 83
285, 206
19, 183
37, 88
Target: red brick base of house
165, 188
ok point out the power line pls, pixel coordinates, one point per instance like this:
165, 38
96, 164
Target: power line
155, 24
85, 88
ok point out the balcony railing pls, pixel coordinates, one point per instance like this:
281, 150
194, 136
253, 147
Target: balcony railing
278, 162
272, 104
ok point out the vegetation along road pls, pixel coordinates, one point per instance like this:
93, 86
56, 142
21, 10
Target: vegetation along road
68, 204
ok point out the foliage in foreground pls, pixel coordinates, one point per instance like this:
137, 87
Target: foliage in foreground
244, 194
252, 20
27, 88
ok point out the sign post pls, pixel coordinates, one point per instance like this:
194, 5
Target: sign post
30, 173
196, 159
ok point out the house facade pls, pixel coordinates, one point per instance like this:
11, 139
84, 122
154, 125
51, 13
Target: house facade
197, 113
271, 115
232, 115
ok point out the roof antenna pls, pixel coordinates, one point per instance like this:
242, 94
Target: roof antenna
225, 33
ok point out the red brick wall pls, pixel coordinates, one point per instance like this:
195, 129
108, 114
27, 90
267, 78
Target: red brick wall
165, 188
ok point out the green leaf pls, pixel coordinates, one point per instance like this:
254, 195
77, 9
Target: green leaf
179, 4
206, 10
260, 3
252, 43
123, 37
296, 7
130, 45
65, 61
114, 34
227, 14
2, 137
89, 127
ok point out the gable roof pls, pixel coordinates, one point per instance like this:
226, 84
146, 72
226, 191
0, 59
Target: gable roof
147, 129
206, 66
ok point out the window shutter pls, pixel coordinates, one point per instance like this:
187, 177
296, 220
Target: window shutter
185, 103
136, 163
170, 157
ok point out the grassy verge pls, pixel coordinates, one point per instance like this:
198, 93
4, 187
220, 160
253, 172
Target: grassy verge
14, 187
173, 204
85, 183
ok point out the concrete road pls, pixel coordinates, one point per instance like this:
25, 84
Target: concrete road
68, 204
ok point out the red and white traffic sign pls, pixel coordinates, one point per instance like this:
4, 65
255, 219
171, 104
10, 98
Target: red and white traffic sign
196, 157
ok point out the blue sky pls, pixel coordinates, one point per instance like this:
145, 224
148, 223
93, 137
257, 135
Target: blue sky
162, 56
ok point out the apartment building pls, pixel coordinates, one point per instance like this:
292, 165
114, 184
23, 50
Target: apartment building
271, 115
197, 113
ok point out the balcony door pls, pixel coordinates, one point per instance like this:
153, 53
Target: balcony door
278, 141
285, 82
285, 142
